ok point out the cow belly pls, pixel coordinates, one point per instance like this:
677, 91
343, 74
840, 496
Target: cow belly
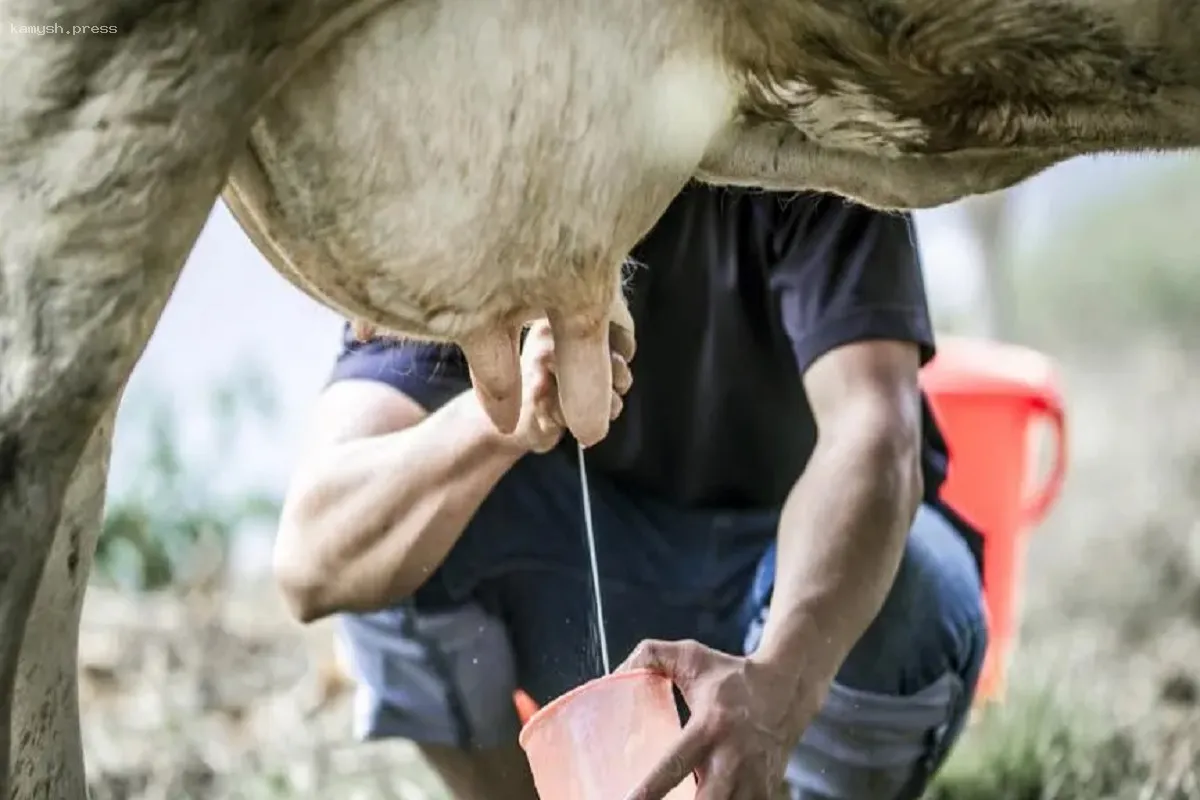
450, 165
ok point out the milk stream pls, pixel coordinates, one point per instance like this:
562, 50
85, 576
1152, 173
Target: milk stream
601, 628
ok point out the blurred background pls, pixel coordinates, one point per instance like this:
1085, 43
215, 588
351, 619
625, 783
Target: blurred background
194, 683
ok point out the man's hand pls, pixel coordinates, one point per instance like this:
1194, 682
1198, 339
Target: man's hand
541, 425
746, 717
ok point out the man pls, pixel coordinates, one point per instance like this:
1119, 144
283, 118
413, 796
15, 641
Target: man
765, 513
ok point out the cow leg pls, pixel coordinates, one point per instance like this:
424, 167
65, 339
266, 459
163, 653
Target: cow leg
78, 305
46, 699
114, 144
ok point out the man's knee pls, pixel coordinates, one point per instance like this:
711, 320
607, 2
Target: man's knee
874, 746
440, 678
932, 621
902, 697
444, 680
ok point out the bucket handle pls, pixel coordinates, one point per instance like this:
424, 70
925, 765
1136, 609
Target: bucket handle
1038, 506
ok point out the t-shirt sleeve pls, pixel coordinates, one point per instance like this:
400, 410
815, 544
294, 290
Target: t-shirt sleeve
431, 374
845, 273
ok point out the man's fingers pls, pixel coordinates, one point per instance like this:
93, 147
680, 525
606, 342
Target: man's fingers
538, 329
494, 360
652, 654
545, 398
623, 341
720, 780
676, 660
622, 375
680, 761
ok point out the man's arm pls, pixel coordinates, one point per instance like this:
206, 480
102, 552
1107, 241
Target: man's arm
385, 489
382, 493
841, 538
854, 306
852, 303
844, 525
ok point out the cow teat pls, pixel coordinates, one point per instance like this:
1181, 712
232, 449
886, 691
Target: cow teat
494, 358
581, 355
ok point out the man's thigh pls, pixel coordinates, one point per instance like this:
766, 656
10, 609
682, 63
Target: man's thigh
525, 559
447, 676
442, 677
439, 668
513, 606
905, 691
444, 680
552, 621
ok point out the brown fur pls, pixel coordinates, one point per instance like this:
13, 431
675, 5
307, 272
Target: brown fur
451, 168
915, 103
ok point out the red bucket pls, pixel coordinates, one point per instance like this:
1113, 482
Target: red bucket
988, 398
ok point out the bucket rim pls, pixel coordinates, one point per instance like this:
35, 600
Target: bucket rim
982, 367
551, 709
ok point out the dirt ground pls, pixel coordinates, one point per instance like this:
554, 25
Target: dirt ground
224, 697
219, 696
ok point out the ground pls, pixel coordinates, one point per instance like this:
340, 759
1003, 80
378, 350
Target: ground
197, 697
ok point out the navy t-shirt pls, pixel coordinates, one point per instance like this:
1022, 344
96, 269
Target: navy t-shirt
735, 293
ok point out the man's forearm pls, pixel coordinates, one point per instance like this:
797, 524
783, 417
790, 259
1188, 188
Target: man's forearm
367, 524
841, 538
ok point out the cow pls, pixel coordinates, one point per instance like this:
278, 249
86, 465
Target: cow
450, 169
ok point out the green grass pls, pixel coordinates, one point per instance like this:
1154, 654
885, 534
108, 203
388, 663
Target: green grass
1035, 748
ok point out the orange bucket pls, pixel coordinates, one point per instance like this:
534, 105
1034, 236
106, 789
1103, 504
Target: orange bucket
597, 742
986, 397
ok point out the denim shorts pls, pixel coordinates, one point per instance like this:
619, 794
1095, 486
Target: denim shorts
512, 607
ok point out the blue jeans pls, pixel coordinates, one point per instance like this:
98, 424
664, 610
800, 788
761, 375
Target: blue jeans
512, 607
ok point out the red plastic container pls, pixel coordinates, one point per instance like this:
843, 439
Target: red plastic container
988, 397
599, 741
